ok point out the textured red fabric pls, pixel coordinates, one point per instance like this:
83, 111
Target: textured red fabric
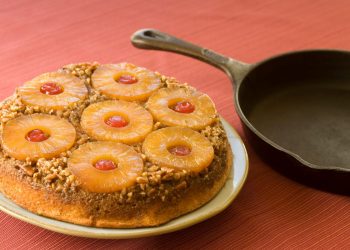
271, 211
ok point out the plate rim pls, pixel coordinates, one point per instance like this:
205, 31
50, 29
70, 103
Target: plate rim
106, 233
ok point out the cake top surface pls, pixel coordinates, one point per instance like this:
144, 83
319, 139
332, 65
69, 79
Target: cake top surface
72, 123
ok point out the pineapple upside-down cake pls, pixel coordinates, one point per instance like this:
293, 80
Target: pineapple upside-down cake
113, 145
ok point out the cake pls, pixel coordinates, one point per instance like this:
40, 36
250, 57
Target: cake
113, 146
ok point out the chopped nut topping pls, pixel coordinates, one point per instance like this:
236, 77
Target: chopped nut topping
155, 181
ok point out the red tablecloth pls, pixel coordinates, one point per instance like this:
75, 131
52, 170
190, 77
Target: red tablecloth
271, 211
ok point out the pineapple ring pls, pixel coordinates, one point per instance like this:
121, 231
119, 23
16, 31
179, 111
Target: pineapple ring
129, 166
160, 105
139, 121
157, 144
61, 133
105, 79
73, 88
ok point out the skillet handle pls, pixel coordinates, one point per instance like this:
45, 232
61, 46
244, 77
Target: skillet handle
157, 40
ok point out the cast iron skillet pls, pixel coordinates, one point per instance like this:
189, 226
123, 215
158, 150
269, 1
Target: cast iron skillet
295, 107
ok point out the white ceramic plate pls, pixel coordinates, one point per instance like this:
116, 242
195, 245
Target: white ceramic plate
224, 198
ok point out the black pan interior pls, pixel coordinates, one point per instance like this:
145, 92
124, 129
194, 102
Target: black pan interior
301, 101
